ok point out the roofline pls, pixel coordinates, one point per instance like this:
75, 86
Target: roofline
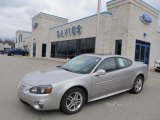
149, 6
41, 13
27, 37
23, 31
109, 13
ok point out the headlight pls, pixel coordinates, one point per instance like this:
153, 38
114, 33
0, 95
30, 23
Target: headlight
43, 89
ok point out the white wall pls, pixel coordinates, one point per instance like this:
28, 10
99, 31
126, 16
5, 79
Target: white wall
127, 26
1, 46
137, 30
25, 35
40, 34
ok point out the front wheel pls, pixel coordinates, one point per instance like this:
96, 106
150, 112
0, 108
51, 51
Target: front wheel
72, 101
138, 85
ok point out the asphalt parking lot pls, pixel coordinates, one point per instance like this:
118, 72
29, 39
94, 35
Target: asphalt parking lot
125, 106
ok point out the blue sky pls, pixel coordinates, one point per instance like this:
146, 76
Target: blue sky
17, 14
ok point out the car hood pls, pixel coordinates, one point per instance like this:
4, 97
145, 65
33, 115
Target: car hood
50, 76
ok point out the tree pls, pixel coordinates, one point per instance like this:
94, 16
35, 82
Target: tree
1, 41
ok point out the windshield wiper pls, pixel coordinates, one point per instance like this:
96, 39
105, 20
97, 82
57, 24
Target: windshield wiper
66, 69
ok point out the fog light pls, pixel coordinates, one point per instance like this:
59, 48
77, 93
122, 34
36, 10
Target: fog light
38, 105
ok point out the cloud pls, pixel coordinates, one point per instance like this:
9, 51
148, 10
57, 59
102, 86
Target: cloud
17, 14
153, 3
11, 3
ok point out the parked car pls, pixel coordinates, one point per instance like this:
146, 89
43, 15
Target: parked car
6, 51
2, 52
83, 79
157, 65
12, 52
1, 48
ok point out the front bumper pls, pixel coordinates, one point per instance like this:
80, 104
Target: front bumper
38, 102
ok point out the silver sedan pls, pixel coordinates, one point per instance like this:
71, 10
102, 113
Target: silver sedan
83, 79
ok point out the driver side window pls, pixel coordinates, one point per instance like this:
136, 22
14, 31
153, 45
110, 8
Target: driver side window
108, 64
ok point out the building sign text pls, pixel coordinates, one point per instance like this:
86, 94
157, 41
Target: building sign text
75, 30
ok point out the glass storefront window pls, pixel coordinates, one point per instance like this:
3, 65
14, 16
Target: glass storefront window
90, 43
83, 46
72, 48
64, 49
59, 48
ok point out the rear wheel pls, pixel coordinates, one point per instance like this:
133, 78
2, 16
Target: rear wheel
138, 85
72, 101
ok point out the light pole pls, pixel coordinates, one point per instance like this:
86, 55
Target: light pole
98, 19
159, 24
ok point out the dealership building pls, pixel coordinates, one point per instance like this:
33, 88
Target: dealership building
128, 28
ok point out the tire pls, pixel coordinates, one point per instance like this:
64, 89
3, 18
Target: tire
69, 104
138, 85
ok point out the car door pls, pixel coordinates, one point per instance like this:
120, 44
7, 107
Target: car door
125, 73
16, 51
20, 52
107, 83
118, 77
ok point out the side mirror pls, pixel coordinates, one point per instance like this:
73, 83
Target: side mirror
100, 72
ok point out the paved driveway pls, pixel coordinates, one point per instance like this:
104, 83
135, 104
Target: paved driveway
125, 106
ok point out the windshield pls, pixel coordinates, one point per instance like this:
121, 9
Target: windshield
82, 64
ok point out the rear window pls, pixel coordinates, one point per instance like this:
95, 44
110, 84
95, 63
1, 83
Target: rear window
123, 62
129, 62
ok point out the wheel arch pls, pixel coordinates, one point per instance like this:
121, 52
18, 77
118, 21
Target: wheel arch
77, 86
141, 75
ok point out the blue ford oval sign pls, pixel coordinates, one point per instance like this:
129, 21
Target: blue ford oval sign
145, 18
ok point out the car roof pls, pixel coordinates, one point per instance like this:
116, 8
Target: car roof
103, 56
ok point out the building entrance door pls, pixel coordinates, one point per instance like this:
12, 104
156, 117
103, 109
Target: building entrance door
34, 49
44, 50
142, 51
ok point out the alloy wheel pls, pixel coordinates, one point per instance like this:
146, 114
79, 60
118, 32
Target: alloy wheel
138, 85
74, 101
